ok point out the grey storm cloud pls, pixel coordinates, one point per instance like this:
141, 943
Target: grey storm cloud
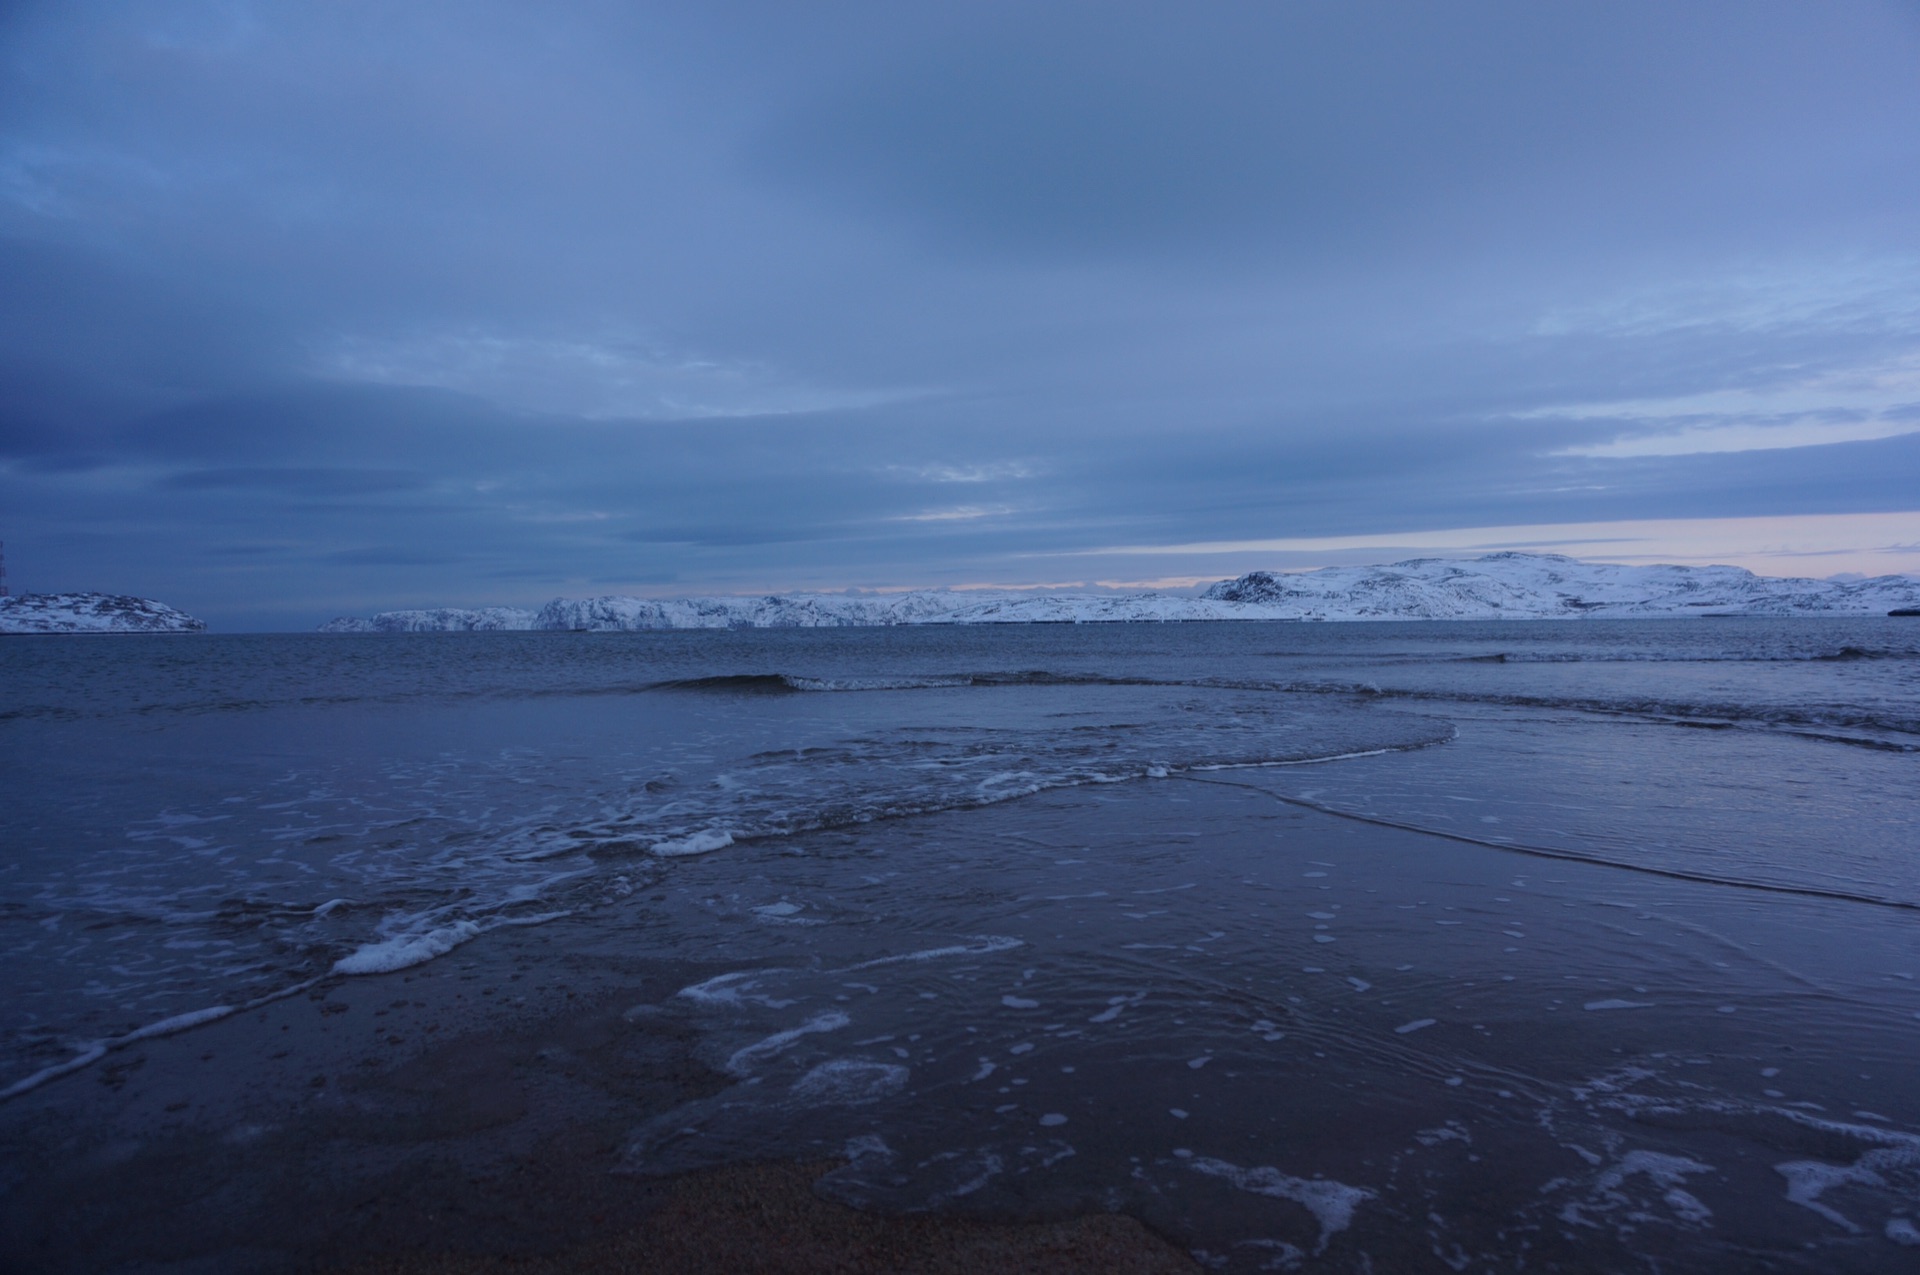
332, 306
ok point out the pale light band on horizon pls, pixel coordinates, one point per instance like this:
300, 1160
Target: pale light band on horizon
1794, 545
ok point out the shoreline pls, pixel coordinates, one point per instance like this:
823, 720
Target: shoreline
434, 1119
528, 1098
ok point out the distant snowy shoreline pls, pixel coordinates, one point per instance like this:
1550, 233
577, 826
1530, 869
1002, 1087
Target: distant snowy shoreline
91, 613
1512, 586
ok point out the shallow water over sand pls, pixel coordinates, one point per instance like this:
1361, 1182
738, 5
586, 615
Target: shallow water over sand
1336, 1037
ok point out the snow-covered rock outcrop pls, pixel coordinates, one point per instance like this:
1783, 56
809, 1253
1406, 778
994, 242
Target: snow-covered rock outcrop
92, 613
1514, 586
1530, 586
438, 620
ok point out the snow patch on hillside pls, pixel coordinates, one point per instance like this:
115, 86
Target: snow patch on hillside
1548, 586
439, 620
92, 613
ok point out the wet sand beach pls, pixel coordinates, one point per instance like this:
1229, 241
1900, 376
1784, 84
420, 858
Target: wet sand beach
1179, 1022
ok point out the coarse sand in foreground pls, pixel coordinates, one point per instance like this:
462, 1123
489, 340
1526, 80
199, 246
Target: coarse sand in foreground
766, 1218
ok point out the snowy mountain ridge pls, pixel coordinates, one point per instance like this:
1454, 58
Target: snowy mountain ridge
91, 613
1549, 586
1514, 586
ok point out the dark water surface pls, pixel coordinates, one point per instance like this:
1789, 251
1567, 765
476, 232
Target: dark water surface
1134, 916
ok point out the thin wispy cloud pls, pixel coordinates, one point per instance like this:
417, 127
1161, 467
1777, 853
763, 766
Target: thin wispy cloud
1853, 404
596, 379
958, 513
1695, 439
993, 472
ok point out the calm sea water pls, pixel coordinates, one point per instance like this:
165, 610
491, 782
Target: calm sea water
193, 823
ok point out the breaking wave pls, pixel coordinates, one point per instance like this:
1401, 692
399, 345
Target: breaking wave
1816, 721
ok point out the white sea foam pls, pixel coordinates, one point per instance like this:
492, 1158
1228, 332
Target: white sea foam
1115, 1006
733, 990
1414, 1026
1668, 1174
1687, 1207
868, 1147
703, 842
93, 1051
1331, 1203
964, 1172
875, 683
1808, 1180
178, 1023
85, 1058
850, 1082
1617, 1003
1668, 1171
983, 945
742, 1061
401, 951
1451, 1131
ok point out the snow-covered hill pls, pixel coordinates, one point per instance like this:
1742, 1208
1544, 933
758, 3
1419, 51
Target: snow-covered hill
442, 620
1548, 586
1513, 586
91, 613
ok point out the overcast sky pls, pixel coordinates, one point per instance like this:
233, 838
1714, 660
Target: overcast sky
310, 309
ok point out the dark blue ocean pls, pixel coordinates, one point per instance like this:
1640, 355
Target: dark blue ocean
1445, 938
